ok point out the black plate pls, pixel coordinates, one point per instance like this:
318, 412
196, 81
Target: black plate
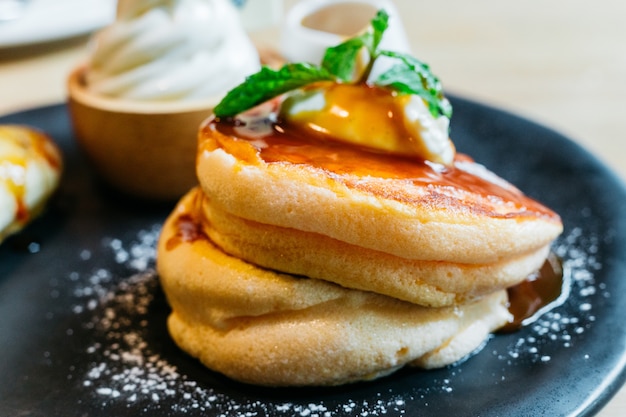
82, 318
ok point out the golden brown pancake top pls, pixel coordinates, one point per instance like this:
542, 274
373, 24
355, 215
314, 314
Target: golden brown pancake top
465, 186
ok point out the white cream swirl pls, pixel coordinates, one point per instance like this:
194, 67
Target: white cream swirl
162, 50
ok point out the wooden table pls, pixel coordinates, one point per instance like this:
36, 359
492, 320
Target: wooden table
561, 63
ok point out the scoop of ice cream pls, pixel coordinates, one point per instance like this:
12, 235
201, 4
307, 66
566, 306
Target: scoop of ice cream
171, 50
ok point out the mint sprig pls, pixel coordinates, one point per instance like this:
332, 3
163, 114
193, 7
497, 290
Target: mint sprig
413, 76
267, 84
341, 60
407, 76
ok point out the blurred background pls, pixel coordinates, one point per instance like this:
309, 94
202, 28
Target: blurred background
561, 62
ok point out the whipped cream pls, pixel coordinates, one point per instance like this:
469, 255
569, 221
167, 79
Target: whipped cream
430, 131
161, 50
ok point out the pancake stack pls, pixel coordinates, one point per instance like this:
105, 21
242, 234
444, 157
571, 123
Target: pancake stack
299, 261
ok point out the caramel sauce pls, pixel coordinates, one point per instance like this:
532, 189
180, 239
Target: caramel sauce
15, 184
259, 136
188, 230
537, 293
13, 174
188, 225
13, 168
361, 115
47, 150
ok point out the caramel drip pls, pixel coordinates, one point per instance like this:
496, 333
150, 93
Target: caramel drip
47, 150
537, 292
13, 168
188, 230
13, 174
188, 225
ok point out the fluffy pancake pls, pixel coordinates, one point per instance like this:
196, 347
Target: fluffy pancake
409, 209
308, 262
336, 235
30, 169
271, 328
430, 283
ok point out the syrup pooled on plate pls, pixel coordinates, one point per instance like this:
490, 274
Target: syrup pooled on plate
538, 292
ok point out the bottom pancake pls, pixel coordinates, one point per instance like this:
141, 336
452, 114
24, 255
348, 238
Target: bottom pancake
267, 328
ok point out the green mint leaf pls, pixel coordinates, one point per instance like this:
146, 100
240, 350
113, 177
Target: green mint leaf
404, 80
418, 66
408, 76
267, 84
341, 60
380, 23
412, 76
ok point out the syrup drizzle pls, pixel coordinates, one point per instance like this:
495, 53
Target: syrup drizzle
260, 138
538, 293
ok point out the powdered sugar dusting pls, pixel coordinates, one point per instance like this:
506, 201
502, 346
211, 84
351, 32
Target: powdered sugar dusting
126, 368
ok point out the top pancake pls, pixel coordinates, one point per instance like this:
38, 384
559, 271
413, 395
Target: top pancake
407, 208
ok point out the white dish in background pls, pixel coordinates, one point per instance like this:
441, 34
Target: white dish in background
311, 26
50, 20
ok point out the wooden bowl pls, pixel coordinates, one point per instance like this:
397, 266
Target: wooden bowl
144, 149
